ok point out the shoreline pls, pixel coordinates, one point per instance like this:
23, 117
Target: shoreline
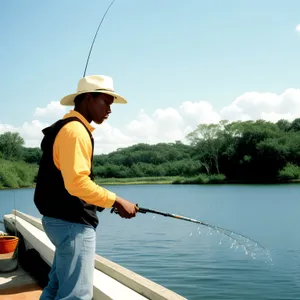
207, 183
136, 181
171, 180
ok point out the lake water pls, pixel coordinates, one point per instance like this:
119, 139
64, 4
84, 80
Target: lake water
173, 253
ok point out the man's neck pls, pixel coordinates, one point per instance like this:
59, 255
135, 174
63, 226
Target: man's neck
83, 113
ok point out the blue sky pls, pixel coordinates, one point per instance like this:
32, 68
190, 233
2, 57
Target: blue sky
160, 53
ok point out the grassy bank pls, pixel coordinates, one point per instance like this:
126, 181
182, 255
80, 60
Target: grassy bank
200, 179
16, 174
137, 180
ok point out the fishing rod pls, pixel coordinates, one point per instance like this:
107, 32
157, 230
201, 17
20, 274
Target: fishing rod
224, 231
87, 61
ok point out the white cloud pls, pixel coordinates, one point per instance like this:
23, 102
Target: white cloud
31, 132
162, 125
298, 28
202, 110
7, 127
53, 110
108, 139
268, 106
170, 124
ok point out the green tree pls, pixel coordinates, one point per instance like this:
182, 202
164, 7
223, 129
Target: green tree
207, 141
284, 125
11, 145
295, 125
32, 155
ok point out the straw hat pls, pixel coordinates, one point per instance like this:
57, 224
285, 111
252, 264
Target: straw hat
93, 84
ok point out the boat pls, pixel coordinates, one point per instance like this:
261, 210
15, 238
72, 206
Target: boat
111, 281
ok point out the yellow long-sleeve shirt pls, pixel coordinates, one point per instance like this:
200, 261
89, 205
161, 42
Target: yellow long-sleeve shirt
72, 151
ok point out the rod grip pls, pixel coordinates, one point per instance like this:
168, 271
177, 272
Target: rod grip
141, 210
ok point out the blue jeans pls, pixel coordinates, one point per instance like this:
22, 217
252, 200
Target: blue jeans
72, 272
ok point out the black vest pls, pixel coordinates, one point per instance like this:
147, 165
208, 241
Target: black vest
50, 196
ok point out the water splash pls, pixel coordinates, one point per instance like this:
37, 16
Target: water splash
198, 230
237, 242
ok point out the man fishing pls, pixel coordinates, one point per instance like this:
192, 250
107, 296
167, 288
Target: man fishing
66, 194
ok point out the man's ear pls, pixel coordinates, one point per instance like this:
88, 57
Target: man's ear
89, 97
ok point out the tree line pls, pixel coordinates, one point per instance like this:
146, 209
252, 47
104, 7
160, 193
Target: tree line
241, 151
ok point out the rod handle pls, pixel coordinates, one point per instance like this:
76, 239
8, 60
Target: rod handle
141, 210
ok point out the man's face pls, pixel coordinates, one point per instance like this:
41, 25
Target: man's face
100, 107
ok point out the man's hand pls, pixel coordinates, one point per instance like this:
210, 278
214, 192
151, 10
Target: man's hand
125, 208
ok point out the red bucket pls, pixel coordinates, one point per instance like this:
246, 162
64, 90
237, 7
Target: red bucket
8, 243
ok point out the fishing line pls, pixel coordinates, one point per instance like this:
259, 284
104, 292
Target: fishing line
14, 202
87, 61
15, 213
229, 233
145, 210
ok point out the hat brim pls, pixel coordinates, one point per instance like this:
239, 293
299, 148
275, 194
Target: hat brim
69, 99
